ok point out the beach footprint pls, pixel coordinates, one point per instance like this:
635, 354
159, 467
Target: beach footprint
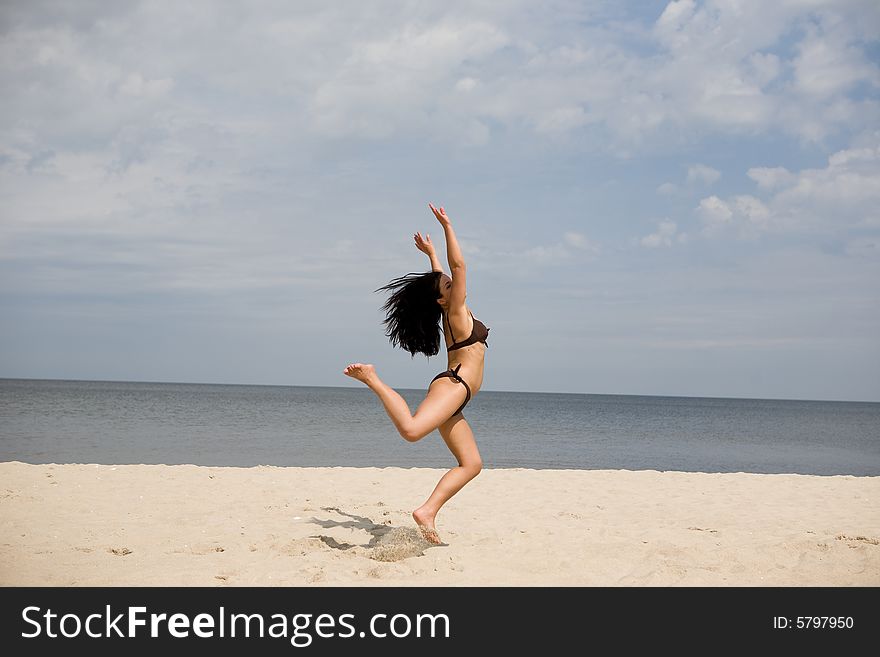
857, 541
225, 577
199, 549
386, 543
400, 543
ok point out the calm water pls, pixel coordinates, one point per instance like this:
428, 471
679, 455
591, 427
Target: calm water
111, 422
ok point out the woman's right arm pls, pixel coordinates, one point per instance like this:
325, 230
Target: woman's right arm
458, 271
453, 251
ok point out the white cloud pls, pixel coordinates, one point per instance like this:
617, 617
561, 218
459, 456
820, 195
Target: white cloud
466, 84
136, 85
391, 80
715, 211
747, 215
547, 255
562, 119
109, 130
729, 70
579, 241
671, 25
770, 177
575, 239
572, 244
664, 236
702, 174
828, 63
697, 175
844, 193
445, 73
763, 68
753, 211
842, 196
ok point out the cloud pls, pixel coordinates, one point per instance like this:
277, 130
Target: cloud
747, 215
136, 85
664, 236
843, 194
579, 241
466, 84
169, 125
771, 177
734, 67
562, 119
547, 255
572, 245
697, 175
393, 80
828, 63
715, 211
444, 73
702, 174
837, 198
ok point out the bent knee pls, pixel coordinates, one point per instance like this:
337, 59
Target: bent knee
473, 469
411, 434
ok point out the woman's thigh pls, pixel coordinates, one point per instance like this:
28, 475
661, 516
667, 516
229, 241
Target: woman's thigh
443, 399
459, 438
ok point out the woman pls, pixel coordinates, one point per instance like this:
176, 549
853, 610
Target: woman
414, 310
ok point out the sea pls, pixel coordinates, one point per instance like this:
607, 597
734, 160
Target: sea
110, 422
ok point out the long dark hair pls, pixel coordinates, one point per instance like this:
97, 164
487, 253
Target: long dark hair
412, 314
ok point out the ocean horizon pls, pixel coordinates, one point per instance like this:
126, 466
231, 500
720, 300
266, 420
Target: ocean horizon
227, 424
528, 392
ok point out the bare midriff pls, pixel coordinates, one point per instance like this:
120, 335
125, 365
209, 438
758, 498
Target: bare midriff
471, 360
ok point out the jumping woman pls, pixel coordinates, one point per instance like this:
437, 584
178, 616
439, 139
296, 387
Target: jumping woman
417, 306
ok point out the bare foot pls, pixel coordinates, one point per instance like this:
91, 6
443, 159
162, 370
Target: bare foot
360, 371
425, 521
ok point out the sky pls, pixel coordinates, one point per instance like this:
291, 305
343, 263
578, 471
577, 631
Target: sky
653, 198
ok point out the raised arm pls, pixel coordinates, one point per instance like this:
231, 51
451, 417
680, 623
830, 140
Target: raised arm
424, 245
455, 259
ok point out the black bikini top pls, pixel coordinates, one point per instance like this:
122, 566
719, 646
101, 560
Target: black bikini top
479, 334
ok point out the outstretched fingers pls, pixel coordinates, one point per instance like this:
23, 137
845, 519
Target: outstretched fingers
423, 244
440, 213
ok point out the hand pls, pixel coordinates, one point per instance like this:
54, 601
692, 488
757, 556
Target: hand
424, 244
441, 215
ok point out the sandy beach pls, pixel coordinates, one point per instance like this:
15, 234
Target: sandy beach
145, 525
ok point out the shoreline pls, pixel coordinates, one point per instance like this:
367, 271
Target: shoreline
188, 525
439, 470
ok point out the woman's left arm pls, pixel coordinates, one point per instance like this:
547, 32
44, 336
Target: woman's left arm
424, 245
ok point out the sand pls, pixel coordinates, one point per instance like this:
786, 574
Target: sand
159, 525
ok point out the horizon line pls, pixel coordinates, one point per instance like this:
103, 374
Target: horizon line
353, 387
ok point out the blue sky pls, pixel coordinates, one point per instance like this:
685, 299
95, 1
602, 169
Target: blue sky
658, 198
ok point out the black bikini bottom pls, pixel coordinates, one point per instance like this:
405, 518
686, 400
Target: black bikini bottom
453, 374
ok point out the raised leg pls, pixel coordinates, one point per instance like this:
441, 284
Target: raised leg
443, 399
460, 439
